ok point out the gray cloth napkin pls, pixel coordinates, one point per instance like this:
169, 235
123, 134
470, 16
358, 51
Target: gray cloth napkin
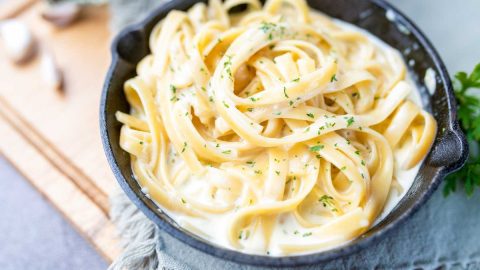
444, 234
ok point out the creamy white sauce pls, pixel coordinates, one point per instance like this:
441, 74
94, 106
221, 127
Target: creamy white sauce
288, 229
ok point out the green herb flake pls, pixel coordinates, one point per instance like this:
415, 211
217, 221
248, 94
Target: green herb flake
328, 202
251, 163
333, 78
184, 147
350, 121
267, 26
307, 234
285, 91
317, 148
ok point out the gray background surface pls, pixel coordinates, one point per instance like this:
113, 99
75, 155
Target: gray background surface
35, 236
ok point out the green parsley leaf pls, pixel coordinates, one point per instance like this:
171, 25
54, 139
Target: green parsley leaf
468, 112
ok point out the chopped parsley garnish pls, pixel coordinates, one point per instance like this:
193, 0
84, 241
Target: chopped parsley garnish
227, 65
285, 92
311, 115
184, 147
251, 163
350, 121
327, 201
225, 104
244, 235
317, 148
173, 88
227, 152
307, 234
333, 78
277, 172
267, 26
296, 80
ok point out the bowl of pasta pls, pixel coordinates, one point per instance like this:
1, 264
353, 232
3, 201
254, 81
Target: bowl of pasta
278, 133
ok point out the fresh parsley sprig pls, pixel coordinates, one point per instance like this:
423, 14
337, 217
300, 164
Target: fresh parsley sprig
468, 111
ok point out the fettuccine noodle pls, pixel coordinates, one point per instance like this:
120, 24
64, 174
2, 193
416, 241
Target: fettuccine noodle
274, 130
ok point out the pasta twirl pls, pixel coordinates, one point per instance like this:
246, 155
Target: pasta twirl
274, 130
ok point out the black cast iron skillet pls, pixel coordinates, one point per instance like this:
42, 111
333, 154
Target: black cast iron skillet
448, 153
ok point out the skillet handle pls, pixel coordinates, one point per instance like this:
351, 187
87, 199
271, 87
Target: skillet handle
452, 151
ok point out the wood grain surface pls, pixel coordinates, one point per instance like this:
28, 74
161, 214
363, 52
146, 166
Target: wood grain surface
53, 138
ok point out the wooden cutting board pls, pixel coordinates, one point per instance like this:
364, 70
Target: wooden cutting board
53, 139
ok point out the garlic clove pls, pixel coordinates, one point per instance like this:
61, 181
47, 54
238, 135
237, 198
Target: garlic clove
62, 14
51, 73
18, 41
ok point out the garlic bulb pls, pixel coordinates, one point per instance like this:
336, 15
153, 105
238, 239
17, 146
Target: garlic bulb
18, 41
